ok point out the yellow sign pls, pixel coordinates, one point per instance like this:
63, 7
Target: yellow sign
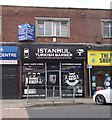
100, 58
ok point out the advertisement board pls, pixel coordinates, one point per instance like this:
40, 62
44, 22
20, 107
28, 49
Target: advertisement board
100, 58
26, 32
8, 54
49, 52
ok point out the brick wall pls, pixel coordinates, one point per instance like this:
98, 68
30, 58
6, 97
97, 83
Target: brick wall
84, 28
0, 23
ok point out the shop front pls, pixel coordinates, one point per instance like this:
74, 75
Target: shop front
9, 69
52, 70
101, 73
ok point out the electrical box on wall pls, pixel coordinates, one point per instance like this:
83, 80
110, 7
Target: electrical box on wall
26, 32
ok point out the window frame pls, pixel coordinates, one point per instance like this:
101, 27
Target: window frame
110, 28
53, 20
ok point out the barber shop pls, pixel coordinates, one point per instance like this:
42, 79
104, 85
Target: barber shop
51, 70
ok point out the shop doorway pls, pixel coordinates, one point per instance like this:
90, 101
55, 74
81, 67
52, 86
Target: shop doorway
53, 79
9, 82
53, 84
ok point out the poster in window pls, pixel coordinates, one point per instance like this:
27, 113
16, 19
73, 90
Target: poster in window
52, 79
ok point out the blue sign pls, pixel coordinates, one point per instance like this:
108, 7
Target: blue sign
30, 32
8, 52
26, 32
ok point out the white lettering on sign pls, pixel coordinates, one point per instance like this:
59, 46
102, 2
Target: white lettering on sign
8, 55
53, 52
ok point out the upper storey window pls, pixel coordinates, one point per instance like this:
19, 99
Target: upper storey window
52, 27
107, 28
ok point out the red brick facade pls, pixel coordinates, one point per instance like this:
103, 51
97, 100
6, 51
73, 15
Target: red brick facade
85, 24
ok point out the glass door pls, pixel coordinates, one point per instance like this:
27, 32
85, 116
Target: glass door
53, 87
53, 84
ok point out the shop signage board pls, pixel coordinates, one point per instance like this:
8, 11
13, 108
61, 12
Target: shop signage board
26, 32
49, 52
100, 57
8, 54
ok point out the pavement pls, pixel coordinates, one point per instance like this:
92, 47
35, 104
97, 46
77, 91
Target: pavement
16, 108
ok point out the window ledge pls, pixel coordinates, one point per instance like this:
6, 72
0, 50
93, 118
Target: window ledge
52, 37
107, 37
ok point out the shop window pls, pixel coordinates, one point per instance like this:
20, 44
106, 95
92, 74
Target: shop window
101, 79
52, 27
70, 73
34, 75
107, 28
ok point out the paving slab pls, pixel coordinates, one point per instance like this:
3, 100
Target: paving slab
14, 113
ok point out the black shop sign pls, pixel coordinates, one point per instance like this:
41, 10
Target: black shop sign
34, 52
